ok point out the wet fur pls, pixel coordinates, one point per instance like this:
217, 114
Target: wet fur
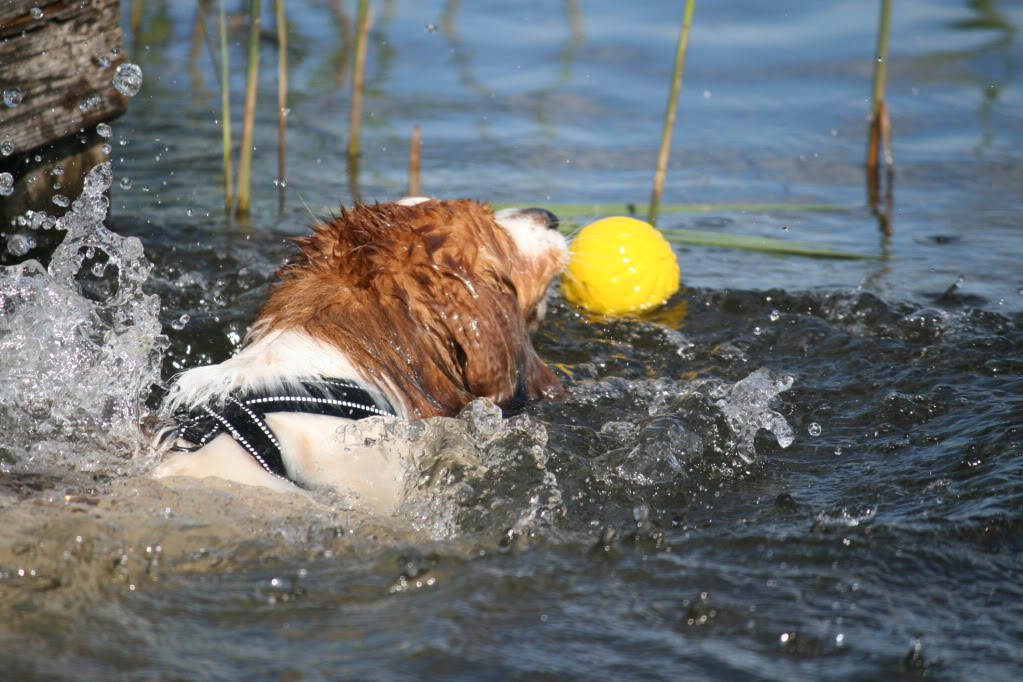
430, 301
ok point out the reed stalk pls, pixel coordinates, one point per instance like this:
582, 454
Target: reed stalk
880, 134
249, 115
364, 18
672, 108
225, 114
137, 10
282, 98
879, 138
413, 163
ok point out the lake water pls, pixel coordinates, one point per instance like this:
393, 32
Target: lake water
642, 529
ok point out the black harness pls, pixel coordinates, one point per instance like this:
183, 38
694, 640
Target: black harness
243, 415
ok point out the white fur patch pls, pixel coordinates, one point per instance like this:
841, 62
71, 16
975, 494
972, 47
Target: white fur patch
531, 236
278, 362
412, 201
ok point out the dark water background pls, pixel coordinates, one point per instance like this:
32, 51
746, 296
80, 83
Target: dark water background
626, 538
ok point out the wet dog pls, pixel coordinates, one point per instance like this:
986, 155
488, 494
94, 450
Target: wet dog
410, 309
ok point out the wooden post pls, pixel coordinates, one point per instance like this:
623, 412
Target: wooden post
63, 63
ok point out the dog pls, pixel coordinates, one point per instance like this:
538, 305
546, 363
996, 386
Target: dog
409, 309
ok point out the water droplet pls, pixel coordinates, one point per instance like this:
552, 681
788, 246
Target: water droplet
36, 13
7, 147
104, 130
19, 244
180, 323
98, 269
6, 184
188, 213
814, 429
90, 102
775, 315
430, 28
128, 79
90, 252
784, 228
838, 452
61, 200
125, 182
756, 330
12, 97
57, 170
105, 148
285, 111
103, 61
57, 185
114, 52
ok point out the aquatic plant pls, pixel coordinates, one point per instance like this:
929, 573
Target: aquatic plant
879, 136
672, 108
282, 97
225, 108
363, 20
413, 163
249, 115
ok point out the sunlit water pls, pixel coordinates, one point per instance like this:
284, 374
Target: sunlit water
797, 469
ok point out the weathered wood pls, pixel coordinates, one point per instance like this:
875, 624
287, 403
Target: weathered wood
55, 61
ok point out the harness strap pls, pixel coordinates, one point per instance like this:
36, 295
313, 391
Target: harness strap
244, 417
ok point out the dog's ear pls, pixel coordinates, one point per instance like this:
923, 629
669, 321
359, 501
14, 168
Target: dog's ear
490, 344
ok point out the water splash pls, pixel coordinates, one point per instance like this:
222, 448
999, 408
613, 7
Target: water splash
477, 472
745, 408
78, 353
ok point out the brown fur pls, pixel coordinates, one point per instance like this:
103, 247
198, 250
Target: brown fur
430, 299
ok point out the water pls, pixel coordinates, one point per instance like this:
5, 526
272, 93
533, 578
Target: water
796, 469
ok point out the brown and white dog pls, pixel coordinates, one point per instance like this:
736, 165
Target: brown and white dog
418, 306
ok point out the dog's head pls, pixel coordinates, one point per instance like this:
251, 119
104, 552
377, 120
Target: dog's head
432, 299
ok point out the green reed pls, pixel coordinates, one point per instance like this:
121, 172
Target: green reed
414, 163
672, 108
879, 138
364, 18
225, 106
241, 209
282, 97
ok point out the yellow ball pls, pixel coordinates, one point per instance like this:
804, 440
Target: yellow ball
620, 265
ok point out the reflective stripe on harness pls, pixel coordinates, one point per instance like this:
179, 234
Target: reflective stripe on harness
244, 417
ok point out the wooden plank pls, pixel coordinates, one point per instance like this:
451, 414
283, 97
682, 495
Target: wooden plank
55, 61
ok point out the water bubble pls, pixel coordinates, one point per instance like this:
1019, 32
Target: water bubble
285, 111
115, 51
12, 97
105, 148
784, 228
36, 13
188, 212
7, 147
775, 315
756, 331
180, 323
104, 130
57, 170
98, 269
6, 184
57, 185
814, 429
430, 28
19, 244
61, 200
103, 61
124, 182
128, 79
